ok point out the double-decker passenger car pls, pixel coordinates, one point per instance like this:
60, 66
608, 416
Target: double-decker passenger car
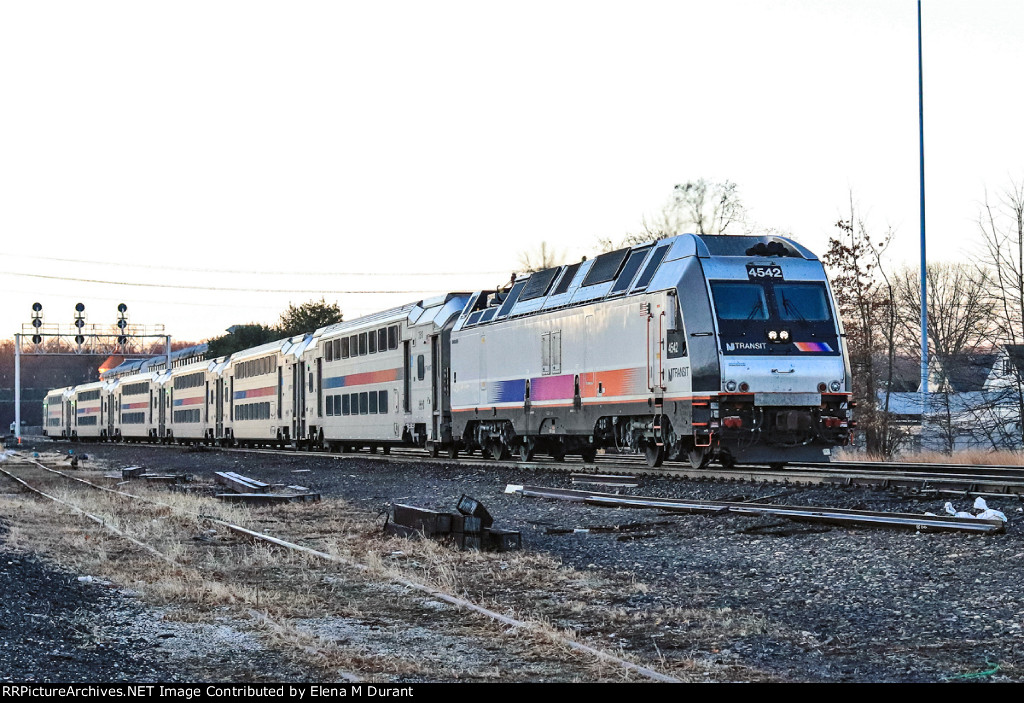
191, 390
379, 380
57, 413
141, 407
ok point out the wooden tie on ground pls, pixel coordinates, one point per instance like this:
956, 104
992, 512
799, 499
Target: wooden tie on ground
249, 490
470, 528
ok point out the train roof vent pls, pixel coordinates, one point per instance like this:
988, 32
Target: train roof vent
606, 267
538, 283
769, 249
570, 273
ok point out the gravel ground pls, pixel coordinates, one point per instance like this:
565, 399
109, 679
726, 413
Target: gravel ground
59, 627
835, 604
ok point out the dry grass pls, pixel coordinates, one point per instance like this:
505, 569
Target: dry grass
977, 457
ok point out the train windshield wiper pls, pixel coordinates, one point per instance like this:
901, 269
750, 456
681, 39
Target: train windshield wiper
756, 312
790, 307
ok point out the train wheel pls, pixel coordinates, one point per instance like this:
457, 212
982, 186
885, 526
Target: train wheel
589, 454
435, 451
453, 451
386, 449
699, 457
525, 451
654, 454
496, 450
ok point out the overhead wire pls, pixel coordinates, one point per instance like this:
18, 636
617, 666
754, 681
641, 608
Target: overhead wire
259, 273
217, 288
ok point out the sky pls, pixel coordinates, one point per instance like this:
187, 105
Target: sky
207, 163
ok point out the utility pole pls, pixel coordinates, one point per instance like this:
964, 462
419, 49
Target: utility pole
924, 265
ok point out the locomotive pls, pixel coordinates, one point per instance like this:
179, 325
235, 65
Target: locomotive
692, 348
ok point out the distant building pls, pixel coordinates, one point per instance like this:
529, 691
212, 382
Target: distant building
975, 402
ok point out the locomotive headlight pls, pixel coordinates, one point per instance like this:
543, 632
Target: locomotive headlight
784, 335
730, 386
835, 386
773, 335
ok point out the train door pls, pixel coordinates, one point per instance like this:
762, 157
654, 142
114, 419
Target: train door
219, 405
162, 413
656, 329
407, 377
299, 400
435, 385
111, 411
319, 386
67, 418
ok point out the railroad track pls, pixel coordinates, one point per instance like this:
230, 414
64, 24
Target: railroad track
942, 479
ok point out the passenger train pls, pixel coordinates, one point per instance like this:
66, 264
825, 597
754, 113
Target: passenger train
691, 348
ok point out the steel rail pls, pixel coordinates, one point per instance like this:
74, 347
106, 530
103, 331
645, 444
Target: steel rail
838, 516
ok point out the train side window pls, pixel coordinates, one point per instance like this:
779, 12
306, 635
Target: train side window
373, 342
421, 367
676, 337
382, 339
362, 344
344, 348
345, 407
382, 402
353, 345
393, 337
330, 406
373, 403
364, 403
328, 352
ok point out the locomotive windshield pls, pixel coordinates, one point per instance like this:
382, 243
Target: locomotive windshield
774, 317
740, 301
801, 301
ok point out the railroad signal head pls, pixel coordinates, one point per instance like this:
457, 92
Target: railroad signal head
122, 323
79, 339
122, 339
37, 307
79, 307
37, 323
122, 308
79, 323
36, 339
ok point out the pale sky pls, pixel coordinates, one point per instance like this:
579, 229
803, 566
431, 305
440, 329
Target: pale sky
298, 147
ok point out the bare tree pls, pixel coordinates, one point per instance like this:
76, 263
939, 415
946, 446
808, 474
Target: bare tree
1002, 230
700, 207
543, 257
960, 309
866, 298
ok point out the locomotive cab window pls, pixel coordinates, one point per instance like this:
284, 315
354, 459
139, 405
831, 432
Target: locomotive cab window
802, 302
739, 301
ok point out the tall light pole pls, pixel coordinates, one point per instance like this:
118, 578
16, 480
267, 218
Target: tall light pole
924, 266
